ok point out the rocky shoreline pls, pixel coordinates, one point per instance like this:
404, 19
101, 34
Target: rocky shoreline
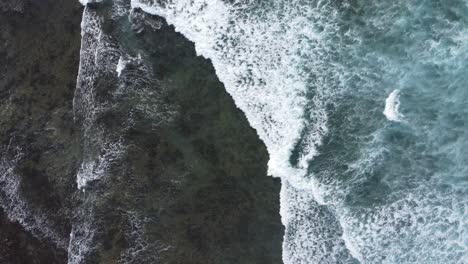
189, 184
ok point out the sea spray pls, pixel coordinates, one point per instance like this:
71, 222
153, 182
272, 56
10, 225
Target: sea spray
392, 106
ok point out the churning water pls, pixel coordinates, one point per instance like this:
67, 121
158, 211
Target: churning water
363, 107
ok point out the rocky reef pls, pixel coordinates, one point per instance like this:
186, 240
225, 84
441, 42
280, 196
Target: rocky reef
126, 148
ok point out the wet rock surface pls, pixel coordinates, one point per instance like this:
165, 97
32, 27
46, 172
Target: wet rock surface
39, 44
12, 5
19, 247
184, 178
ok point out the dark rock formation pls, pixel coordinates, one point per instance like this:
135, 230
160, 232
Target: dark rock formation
188, 184
12, 5
17, 246
38, 145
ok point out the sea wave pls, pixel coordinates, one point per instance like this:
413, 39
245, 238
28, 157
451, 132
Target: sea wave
392, 105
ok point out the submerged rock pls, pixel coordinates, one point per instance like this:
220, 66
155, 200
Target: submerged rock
13, 5
39, 149
146, 162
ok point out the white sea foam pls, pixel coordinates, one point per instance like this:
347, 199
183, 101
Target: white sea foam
311, 235
97, 167
82, 236
97, 55
392, 106
259, 58
120, 66
140, 249
252, 62
17, 207
425, 221
101, 149
85, 2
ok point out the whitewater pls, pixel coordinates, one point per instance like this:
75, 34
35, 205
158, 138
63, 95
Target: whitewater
326, 85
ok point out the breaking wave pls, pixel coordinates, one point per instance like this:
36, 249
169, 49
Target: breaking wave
392, 105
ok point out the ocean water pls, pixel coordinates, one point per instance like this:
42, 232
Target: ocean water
363, 108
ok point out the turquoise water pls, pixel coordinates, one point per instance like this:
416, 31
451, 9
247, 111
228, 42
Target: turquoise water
399, 187
363, 108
